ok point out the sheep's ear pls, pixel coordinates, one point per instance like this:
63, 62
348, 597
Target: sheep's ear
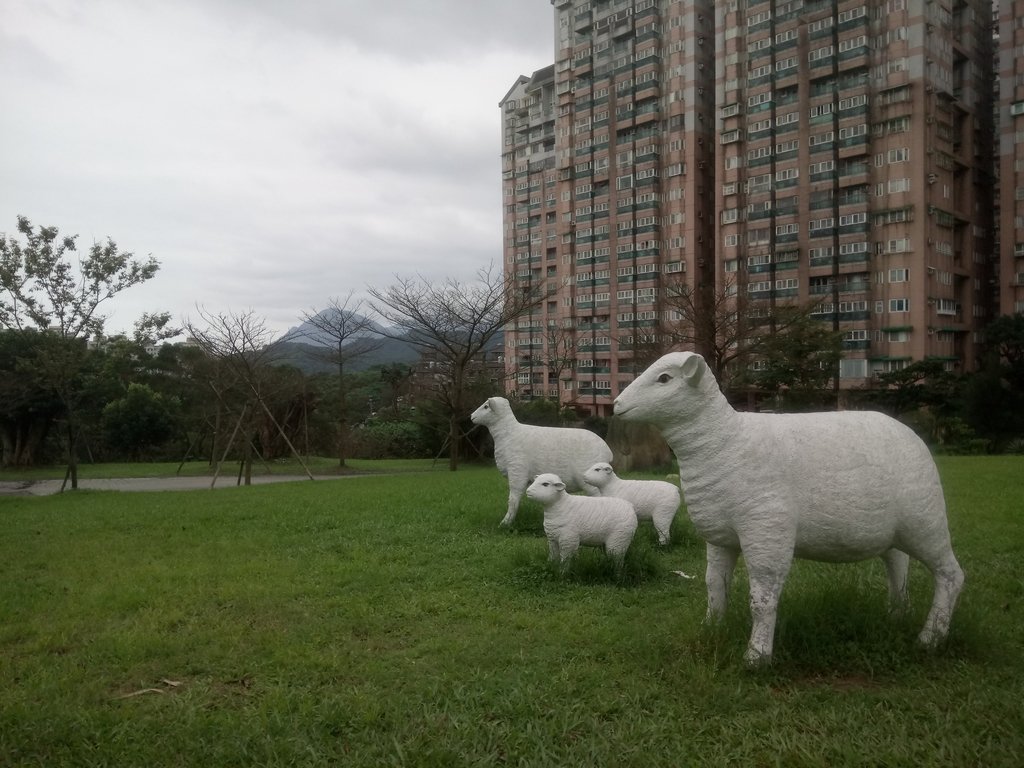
693, 369
559, 486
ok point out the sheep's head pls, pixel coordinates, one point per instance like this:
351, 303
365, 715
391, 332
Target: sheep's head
546, 488
670, 389
599, 474
492, 411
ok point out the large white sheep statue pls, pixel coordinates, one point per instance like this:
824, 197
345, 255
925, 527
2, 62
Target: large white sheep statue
523, 451
571, 521
835, 487
654, 500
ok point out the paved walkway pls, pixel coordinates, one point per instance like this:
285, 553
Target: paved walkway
48, 487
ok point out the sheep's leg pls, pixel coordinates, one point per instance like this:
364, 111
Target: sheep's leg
553, 548
949, 580
897, 564
721, 564
768, 571
617, 546
663, 525
515, 493
567, 548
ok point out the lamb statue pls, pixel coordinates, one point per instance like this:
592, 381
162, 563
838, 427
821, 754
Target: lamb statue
835, 487
523, 451
570, 521
653, 500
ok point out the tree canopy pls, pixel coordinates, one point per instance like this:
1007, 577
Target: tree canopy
46, 286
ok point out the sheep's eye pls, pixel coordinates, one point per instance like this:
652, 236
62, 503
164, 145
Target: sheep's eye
664, 378
545, 484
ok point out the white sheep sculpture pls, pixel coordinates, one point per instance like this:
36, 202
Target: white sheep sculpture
523, 451
836, 487
654, 500
571, 521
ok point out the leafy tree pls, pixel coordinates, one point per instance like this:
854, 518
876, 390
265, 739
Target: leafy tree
44, 287
454, 325
798, 353
28, 405
397, 380
994, 396
1004, 342
921, 384
140, 420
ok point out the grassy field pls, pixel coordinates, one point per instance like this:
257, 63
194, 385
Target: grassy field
387, 621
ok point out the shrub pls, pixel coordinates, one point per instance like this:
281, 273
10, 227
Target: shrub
389, 440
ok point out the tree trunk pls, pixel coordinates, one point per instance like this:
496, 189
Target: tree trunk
215, 443
72, 454
247, 462
453, 442
342, 408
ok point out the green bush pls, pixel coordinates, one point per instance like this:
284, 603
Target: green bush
389, 440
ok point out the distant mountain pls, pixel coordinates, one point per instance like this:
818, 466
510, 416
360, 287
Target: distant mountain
305, 345
311, 334
307, 357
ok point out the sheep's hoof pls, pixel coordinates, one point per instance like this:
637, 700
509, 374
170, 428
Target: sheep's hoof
899, 609
930, 640
756, 659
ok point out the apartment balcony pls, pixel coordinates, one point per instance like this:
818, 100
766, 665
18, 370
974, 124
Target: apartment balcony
850, 286
644, 118
862, 344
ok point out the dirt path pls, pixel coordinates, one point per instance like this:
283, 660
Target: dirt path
48, 487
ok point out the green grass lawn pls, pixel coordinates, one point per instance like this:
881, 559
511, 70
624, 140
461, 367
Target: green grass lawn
377, 621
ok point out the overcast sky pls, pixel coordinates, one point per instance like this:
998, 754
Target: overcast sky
271, 154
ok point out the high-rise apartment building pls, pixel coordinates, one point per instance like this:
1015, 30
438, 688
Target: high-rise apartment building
1010, 81
797, 152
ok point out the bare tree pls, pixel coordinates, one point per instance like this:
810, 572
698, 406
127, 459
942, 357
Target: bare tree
43, 287
557, 357
559, 353
454, 324
716, 323
342, 335
241, 344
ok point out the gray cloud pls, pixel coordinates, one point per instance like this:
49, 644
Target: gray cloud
270, 155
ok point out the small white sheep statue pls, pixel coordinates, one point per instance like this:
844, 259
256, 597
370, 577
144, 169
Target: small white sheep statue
593, 521
836, 487
523, 451
653, 500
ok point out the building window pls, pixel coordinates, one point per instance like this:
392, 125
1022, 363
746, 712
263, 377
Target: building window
853, 369
900, 275
899, 305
